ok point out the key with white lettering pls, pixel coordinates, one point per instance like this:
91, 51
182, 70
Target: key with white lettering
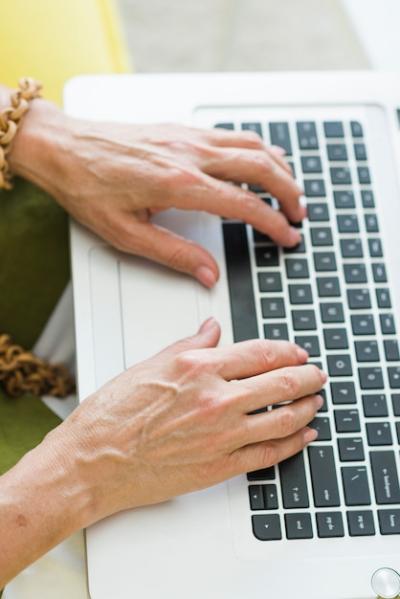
323, 474
384, 474
293, 482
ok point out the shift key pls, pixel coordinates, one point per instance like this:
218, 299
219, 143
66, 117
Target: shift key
323, 475
384, 474
293, 482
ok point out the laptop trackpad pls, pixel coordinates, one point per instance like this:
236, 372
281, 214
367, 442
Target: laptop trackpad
170, 298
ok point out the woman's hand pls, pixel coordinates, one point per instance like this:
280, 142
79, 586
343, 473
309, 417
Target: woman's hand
181, 420
113, 178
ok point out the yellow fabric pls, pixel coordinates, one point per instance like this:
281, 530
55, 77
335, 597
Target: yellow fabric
54, 40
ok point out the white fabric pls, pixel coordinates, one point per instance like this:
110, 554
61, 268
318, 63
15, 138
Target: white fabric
60, 574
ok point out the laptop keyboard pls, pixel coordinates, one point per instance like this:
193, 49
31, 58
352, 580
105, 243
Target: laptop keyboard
330, 295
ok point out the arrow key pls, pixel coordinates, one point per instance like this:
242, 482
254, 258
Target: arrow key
267, 527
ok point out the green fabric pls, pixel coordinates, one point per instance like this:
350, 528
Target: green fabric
34, 263
34, 270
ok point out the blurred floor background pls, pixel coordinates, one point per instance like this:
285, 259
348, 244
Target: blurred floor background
243, 35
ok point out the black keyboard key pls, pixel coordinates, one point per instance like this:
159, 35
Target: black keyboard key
333, 129
256, 497
304, 320
267, 256
375, 405
360, 152
351, 248
367, 351
269, 281
348, 223
297, 268
280, 136
330, 524
355, 485
317, 212
311, 164
293, 482
300, 248
347, 421
243, 309
298, 526
389, 521
323, 475
355, 273
261, 237
343, 392
300, 294
375, 248
332, 312
314, 188
267, 527
325, 261
392, 352
322, 425
339, 365
367, 198
270, 497
383, 298
379, 433
388, 326
277, 332
384, 475
273, 307
340, 175
337, 152
356, 129
371, 223
379, 273
307, 135
255, 127
394, 377
371, 378
328, 286
262, 474
364, 176
321, 236
344, 200
396, 403
227, 126
310, 343
363, 324
336, 339
351, 449
358, 299
361, 523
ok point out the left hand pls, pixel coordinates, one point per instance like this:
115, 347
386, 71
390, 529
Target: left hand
113, 178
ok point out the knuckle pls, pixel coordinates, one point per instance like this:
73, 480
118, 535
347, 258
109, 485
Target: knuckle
286, 420
178, 177
289, 384
266, 354
190, 362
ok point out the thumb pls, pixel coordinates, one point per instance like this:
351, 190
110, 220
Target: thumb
158, 244
207, 336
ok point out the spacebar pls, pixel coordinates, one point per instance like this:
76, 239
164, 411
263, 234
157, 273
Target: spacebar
243, 309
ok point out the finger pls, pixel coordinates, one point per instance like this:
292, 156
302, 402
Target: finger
285, 384
207, 336
230, 201
281, 422
255, 167
250, 358
235, 139
269, 453
167, 248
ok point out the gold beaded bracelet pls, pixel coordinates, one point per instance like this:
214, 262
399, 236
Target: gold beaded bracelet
28, 89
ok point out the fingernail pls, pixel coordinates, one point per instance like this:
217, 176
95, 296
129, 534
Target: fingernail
324, 376
280, 150
302, 354
319, 401
207, 325
206, 276
310, 434
303, 211
295, 236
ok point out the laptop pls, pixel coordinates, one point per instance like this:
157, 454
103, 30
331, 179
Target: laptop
326, 523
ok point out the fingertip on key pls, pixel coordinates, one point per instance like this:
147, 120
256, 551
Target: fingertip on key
302, 354
310, 434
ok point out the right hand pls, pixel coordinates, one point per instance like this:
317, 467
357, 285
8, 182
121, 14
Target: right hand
181, 421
